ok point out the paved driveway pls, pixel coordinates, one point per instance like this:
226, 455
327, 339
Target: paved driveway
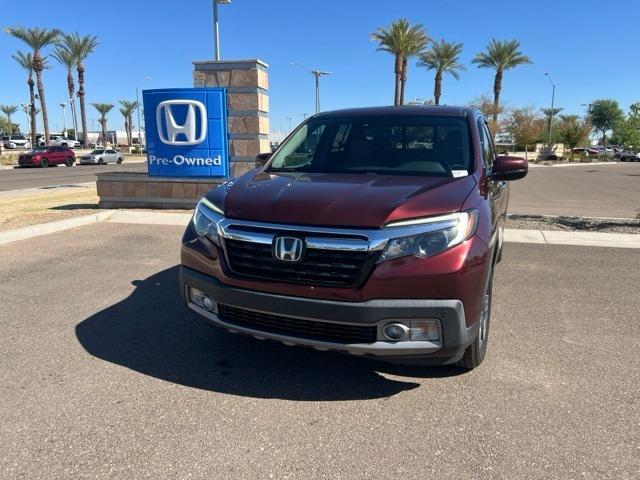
611, 190
105, 375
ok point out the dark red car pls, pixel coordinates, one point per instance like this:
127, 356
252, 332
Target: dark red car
370, 231
46, 156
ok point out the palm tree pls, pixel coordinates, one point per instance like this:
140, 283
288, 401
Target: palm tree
9, 110
404, 41
443, 57
66, 58
25, 60
500, 56
128, 107
80, 47
103, 109
37, 39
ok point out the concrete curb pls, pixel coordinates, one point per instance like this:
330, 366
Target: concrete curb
574, 164
52, 227
540, 237
584, 239
149, 218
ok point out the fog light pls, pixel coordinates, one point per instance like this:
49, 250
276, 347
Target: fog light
202, 300
207, 303
395, 332
425, 330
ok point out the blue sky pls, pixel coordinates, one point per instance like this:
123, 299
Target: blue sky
589, 48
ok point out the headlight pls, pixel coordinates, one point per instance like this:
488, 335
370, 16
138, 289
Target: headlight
440, 234
205, 220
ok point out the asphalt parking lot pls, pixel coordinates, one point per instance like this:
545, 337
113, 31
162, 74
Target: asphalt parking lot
609, 190
105, 375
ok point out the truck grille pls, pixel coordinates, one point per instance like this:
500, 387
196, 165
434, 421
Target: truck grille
297, 327
318, 267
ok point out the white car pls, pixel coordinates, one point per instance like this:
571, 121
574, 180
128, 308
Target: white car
100, 156
16, 141
60, 141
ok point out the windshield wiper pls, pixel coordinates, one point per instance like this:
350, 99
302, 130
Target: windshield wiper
284, 169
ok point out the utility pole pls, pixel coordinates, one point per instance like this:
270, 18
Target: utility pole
317, 74
288, 118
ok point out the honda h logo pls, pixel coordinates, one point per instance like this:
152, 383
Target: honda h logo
187, 133
288, 249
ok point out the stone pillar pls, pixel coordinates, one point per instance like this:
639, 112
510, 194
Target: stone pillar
247, 83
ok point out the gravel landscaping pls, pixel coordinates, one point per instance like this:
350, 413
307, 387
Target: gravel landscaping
573, 224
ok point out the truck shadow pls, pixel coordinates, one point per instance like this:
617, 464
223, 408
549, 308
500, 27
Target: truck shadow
151, 332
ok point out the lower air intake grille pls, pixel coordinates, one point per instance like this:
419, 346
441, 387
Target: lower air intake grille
296, 327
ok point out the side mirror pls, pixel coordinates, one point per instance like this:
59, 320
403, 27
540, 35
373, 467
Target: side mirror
509, 168
262, 159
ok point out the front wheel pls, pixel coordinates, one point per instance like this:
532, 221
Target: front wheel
44, 163
100, 161
475, 353
69, 162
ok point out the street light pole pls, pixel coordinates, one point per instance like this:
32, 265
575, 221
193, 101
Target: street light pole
139, 132
553, 95
216, 30
64, 118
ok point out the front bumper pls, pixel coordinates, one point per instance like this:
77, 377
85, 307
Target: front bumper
454, 339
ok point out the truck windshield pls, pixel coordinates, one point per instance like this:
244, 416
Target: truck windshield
385, 145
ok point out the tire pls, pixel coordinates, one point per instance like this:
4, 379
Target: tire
475, 353
100, 161
69, 162
44, 163
119, 160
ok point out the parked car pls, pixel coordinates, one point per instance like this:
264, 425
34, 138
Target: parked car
101, 156
58, 140
46, 156
586, 151
16, 141
371, 231
629, 156
65, 142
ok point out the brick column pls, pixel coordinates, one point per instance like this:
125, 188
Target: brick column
247, 83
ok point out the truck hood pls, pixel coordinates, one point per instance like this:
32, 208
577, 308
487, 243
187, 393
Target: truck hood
348, 200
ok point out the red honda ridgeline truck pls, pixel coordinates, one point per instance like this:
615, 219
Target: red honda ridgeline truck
371, 231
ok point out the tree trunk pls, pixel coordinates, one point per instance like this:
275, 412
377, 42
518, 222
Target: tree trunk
83, 113
37, 67
75, 118
10, 124
526, 153
403, 81
71, 87
437, 88
32, 110
126, 130
103, 122
398, 73
497, 88
130, 129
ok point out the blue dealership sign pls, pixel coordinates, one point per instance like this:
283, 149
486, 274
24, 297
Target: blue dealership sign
186, 132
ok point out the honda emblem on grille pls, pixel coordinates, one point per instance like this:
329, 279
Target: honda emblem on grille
288, 249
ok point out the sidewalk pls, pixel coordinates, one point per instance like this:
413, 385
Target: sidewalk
547, 237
